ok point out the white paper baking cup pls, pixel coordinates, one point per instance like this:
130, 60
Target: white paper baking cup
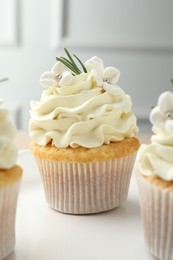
157, 216
83, 188
8, 201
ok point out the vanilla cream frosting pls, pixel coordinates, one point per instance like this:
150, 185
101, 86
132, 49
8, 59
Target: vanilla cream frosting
81, 112
8, 151
157, 158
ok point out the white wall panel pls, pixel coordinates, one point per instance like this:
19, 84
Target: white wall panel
113, 24
8, 22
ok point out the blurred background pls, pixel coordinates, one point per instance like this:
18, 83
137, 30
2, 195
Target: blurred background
135, 36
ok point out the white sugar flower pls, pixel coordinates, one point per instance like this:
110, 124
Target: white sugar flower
106, 77
162, 115
94, 63
58, 76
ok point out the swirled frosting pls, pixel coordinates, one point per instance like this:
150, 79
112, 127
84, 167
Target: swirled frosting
8, 151
81, 113
157, 158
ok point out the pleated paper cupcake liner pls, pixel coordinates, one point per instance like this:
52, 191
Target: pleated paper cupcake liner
84, 188
8, 201
157, 216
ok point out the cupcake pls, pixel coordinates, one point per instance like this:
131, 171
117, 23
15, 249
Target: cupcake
10, 176
83, 136
155, 180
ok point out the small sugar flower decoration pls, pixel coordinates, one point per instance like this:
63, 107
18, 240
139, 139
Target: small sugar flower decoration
106, 77
162, 115
58, 76
63, 71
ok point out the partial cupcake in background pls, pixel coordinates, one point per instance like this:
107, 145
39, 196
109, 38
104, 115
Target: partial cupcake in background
10, 176
155, 180
83, 137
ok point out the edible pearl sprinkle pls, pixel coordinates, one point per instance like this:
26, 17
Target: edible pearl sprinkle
59, 76
106, 80
169, 115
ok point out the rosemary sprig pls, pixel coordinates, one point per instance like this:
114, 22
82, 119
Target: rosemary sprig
171, 81
71, 59
84, 69
2, 80
70, 63
75, 66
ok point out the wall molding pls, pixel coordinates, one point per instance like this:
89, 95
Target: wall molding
60, 35
57, 27
9, 22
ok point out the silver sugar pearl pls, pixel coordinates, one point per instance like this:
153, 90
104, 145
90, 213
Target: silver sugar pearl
107, 80
169, 115
58, 76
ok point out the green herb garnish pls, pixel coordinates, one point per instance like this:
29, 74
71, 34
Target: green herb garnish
2, 80
70, 63
171, 81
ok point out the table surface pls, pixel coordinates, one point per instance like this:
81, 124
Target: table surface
45, 234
